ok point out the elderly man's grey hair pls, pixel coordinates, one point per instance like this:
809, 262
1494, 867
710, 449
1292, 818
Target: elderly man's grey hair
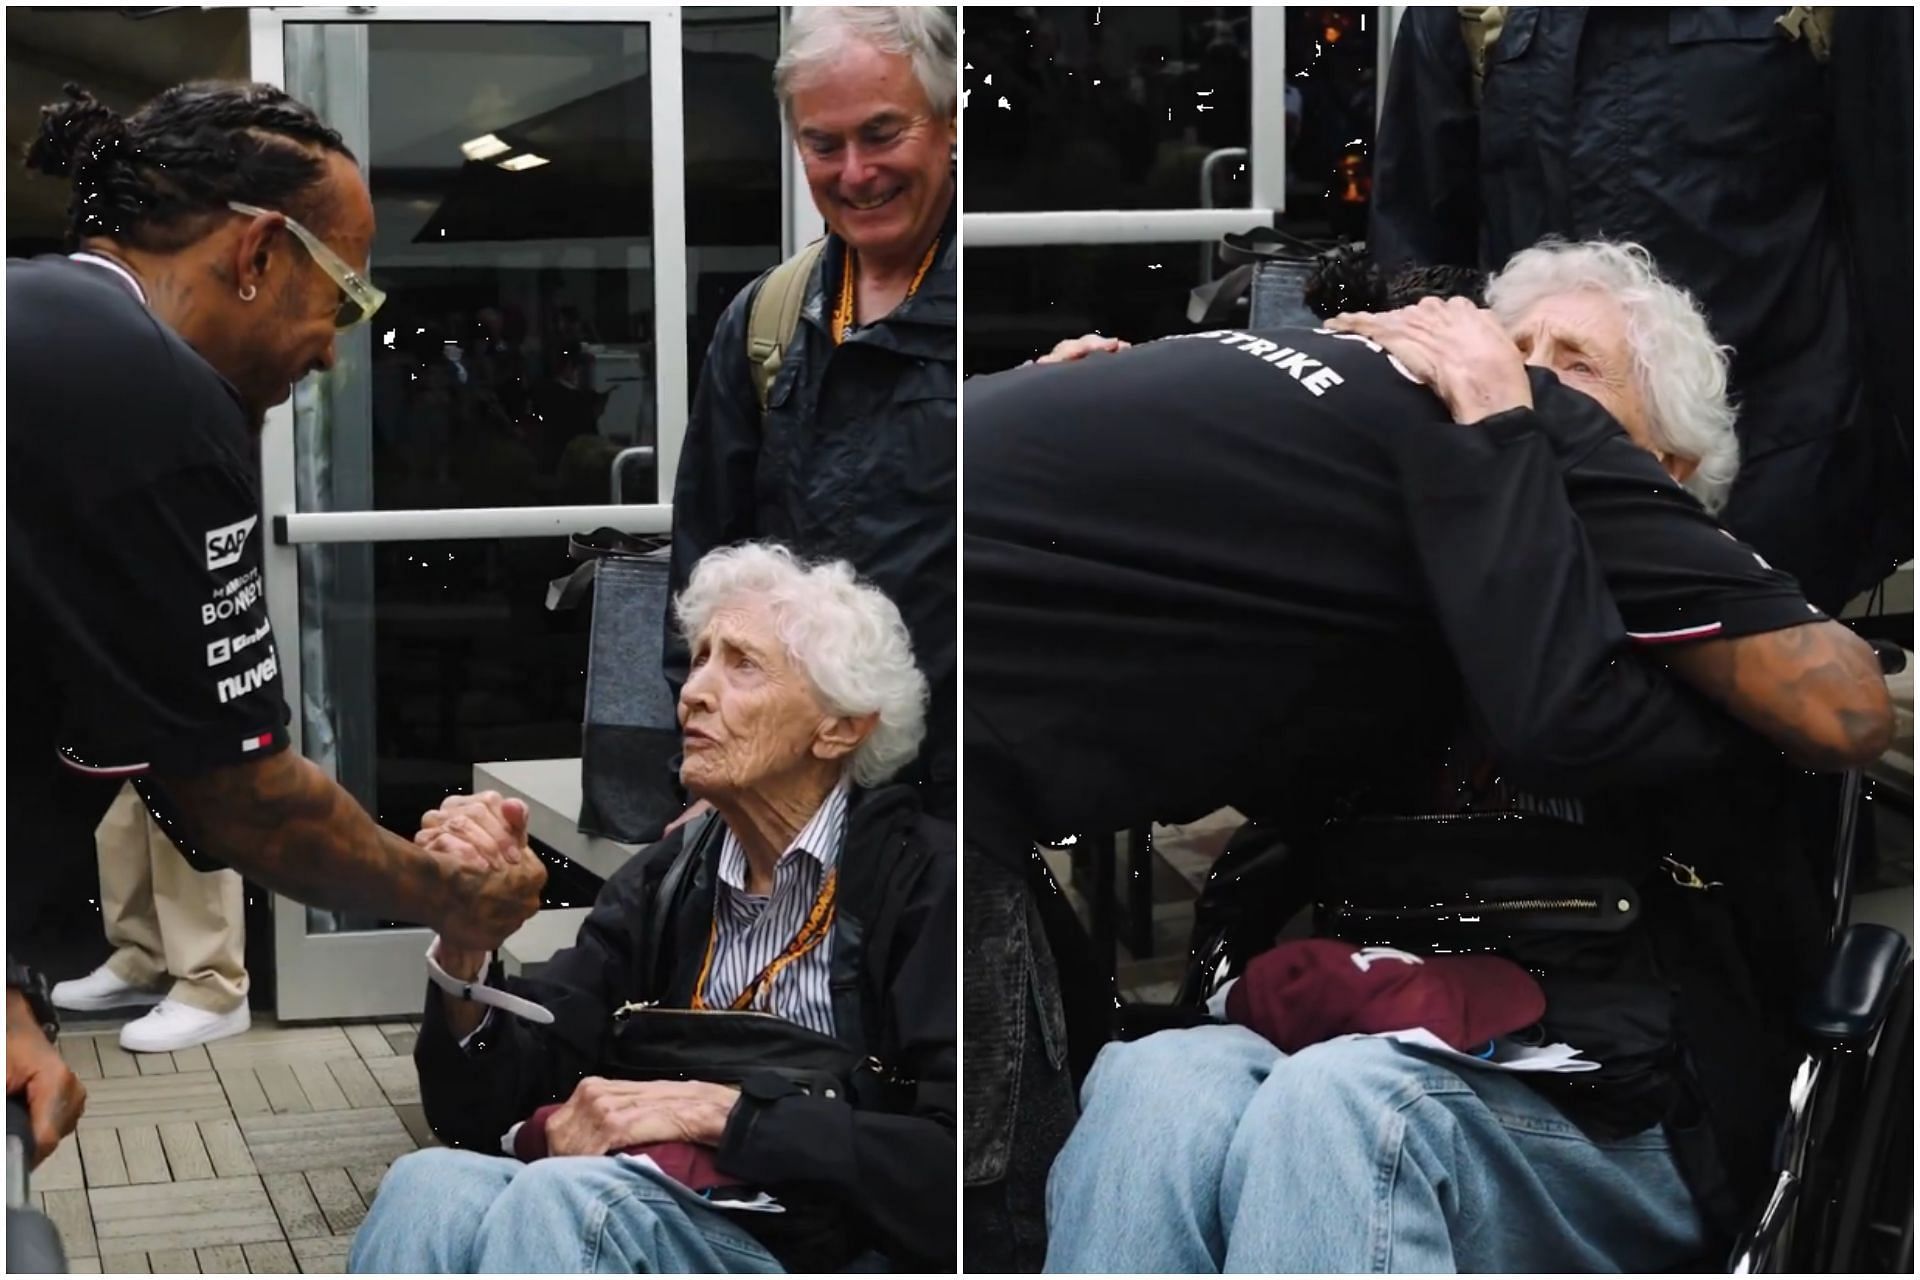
844, 634
816, 38
1681, 371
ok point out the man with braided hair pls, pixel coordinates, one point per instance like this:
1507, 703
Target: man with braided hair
221, 236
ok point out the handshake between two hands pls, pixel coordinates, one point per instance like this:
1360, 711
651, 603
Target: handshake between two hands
495, 877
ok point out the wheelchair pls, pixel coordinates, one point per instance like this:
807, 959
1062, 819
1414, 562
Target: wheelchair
1841, 1191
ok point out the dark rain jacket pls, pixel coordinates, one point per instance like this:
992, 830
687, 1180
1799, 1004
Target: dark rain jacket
856, 461
1775, 187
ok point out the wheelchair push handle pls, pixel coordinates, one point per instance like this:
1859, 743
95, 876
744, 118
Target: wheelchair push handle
20, 1150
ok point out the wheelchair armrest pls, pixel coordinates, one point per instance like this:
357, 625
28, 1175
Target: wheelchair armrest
1862, 971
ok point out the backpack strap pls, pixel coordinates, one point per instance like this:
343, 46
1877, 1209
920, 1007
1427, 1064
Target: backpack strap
1813, 24
1480, 27
775, 316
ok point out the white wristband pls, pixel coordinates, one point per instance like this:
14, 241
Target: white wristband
478, 992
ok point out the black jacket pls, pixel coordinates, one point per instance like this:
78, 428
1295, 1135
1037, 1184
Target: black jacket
856, 462
893, 981
1743, 165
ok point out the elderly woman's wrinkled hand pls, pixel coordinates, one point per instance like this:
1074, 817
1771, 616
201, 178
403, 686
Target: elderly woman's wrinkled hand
1071, 349
1454, 347
487, 830
608, 1115
494, 878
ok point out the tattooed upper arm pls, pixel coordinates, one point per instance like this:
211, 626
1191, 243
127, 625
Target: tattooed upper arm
1816, 690
283, 822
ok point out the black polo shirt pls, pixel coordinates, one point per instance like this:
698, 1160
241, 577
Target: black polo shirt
1226, 567
137, 624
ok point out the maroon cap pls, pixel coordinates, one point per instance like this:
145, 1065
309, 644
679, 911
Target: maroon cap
688, 1163
1314, 989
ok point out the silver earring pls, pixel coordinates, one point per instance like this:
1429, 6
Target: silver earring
249, 293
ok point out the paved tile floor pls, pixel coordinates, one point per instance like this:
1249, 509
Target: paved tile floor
258, 1153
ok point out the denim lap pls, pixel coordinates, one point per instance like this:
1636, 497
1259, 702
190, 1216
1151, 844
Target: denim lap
1209, 1149
458, 1211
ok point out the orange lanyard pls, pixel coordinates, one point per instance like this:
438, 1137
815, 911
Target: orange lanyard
843, 310
812, 932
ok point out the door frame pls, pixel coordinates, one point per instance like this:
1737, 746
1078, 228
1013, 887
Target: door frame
376, 973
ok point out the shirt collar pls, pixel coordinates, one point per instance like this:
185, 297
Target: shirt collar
820, 839
95, 260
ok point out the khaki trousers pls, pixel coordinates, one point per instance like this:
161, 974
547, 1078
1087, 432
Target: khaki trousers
163, 917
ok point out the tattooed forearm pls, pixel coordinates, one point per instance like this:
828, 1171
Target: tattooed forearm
285, 824
1815, 690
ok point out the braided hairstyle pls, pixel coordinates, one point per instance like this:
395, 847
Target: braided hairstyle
1346, 280
152, 179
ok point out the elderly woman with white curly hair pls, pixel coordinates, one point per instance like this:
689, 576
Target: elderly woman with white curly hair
746, 1060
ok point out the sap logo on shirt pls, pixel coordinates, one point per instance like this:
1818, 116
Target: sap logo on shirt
225, 544
225, 647
256, 677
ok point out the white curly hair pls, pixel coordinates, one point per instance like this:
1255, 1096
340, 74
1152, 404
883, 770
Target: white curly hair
816, 36
845, 635
1680, 370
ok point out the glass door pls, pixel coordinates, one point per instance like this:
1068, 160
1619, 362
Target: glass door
526, 380
1110, 148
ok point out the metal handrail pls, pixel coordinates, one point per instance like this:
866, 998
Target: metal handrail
466, 524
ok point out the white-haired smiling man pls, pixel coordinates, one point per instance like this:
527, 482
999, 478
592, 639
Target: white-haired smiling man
758, 1012
825, 414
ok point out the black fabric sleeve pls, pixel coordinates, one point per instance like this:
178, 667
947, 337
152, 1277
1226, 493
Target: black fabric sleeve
1426, 185
512, 1067
897, 1169
1525, 611
156, 603
1675, 574
713, 491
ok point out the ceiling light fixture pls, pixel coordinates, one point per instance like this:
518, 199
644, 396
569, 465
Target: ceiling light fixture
484, 147
528, 161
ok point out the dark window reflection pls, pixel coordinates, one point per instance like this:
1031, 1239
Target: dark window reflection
1104, 108
511, 169
1140, 141
733, 143
1332, 100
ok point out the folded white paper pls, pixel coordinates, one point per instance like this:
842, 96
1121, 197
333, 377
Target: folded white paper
760, 1203
1507, 1056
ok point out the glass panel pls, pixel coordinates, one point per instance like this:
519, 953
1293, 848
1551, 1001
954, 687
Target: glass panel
510, 165
1105, 108
1332, 102
1020, 301
733, 161
458, 662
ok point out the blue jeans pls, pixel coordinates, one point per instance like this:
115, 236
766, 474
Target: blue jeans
445, 1211
1210, 1150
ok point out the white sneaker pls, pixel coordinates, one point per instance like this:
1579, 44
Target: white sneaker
101, 989
173, 1025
